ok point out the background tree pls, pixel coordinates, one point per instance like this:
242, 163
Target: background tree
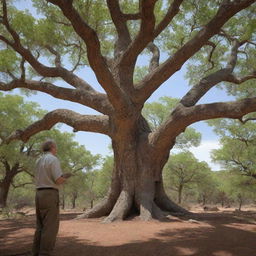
209, 34
16, 157
77, 160
223, 195
238, 146
184, 170
242, 189
207, 187
104, 176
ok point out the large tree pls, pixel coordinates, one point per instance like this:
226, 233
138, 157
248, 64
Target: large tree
109, 36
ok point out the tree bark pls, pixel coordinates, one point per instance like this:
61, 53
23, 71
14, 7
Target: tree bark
240, 200
74, 197
4, 190
137, 184
180, 193
5, 183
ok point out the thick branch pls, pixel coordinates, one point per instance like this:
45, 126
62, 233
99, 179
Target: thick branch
119, 20
182, 117
152, 81
205, 84
96, 101
96, 60
145, 34
132, 16
99, 124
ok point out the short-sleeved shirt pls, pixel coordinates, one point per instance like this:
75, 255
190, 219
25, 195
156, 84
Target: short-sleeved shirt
47, 171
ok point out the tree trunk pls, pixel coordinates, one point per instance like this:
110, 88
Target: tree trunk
180, 193
240, 199
4, 190
74, 197
137, 184
91, 203
6, 183
63, 201
204, 200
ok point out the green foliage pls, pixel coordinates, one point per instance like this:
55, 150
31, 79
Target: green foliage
183, 172
15, 112
234, 188
8, 60
208, 60
237, 157
157, 113
238, 146
104, 176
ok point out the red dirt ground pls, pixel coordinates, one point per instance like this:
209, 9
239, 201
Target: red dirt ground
213, 234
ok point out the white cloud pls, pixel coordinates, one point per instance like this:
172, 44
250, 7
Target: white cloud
202, 153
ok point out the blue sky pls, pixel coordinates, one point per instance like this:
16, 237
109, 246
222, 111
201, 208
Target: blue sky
176, 87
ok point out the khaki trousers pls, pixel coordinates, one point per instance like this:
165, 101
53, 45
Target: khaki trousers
47, 222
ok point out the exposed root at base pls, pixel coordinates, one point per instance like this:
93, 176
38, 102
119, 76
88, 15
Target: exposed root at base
121, 208
101, 209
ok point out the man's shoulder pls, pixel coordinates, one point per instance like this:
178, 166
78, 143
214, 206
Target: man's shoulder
49, 157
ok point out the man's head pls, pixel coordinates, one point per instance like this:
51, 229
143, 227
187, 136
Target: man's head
49, 146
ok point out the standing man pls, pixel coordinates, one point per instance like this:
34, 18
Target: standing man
48, 178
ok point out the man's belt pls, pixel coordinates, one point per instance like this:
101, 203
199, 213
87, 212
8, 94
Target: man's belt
47, 188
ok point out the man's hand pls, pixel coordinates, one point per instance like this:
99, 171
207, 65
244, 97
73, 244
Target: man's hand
67, 175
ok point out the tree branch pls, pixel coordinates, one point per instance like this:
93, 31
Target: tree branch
144, 36
239, 80
40, 68
58, 58
91, 123
172, 11
182, 117
22, 185
213, 45
96, 60
154, 62
153, 80
132, 16
119, 20
96, 101
205, 84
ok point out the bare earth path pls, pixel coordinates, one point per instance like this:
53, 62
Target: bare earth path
214, 234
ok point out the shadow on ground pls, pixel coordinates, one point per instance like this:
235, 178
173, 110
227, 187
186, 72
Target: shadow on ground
224, 235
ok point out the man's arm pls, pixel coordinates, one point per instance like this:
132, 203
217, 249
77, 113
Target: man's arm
63, 178
60, 180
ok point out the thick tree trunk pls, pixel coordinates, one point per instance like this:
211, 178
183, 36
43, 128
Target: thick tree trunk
136, 183
4, 190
